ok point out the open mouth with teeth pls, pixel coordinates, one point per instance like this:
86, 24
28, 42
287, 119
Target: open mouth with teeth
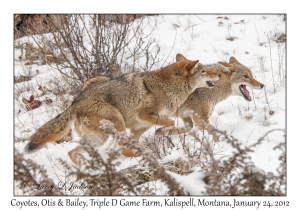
210, 83
245, 92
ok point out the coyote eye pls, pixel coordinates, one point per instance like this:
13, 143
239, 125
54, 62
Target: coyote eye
203, 71
246, 76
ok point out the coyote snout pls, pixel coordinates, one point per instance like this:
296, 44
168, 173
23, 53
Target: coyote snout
208, 78
243, 90
241, 78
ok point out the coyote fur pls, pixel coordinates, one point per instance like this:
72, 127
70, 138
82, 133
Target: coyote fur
135, 101
199, 105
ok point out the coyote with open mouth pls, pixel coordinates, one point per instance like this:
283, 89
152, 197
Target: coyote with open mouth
199, 105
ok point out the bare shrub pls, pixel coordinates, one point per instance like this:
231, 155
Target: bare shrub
98, 175
31, 178
238, 175
234, 175
84, 46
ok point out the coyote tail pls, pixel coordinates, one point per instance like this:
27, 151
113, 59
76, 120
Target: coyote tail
95, 80
53, 130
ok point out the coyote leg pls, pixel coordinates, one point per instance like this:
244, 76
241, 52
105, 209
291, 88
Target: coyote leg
73, 154
128, 153
88, 126
137, 132
176, 131
200, 125
156, 120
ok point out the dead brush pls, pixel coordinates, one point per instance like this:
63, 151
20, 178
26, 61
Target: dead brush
32, 179
103, 174
81, 47
234, 175
159, 145
238, 175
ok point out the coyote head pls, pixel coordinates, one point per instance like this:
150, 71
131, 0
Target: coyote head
240, 77
200, 76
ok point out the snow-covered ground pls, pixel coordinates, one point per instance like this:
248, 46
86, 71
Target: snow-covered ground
251, 39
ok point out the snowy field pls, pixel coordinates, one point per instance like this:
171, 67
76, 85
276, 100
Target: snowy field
254, 40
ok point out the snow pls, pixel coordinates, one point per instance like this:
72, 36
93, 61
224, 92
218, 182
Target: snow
192, 183
201, 37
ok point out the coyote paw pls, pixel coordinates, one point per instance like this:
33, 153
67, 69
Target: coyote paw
75, 158
128, 153
164, 130
160, 131
216, 139
169, 123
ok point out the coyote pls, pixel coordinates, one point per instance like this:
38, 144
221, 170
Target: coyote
135, 101
233, 81
199, 105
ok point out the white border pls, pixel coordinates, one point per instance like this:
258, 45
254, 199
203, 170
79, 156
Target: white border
153, 6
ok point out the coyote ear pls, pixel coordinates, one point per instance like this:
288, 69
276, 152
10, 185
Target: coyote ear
233, 60
225, 66
180, 57
189, 68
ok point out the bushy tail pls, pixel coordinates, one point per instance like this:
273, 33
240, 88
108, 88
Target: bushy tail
53, 130
95, 81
